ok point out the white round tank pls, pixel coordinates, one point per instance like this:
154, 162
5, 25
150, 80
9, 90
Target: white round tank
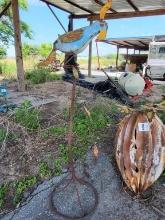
133, 84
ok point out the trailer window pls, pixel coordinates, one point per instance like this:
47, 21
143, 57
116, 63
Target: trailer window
157, 52
162, 50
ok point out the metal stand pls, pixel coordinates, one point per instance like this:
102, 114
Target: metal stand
73, 181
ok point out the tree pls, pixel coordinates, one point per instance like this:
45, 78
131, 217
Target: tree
45, 49
3, 52
29, 50
6, 24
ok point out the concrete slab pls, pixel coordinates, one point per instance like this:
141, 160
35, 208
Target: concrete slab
114, 204
36, 100
98, 75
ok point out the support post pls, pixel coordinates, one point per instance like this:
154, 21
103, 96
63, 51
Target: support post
117, 57
127, 57
70, 25
71, 58
18, 46
90, 57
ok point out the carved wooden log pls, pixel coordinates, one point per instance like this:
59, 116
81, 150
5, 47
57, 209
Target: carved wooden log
140, 150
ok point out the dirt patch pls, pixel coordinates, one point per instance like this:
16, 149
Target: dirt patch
24, 150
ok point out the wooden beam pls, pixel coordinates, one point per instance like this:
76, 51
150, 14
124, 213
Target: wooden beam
55, 5
78, 6
124, 14
90, 57
143, 43
120, 44
70, 58
18, 46
54, 14
132, 5
133, 45
102, 4
5, 9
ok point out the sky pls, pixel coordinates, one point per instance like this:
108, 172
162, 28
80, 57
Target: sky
46, 29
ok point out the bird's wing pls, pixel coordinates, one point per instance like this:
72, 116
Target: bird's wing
71, 36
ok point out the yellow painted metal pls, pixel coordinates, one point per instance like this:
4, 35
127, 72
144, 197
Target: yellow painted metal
102, 35
105, 8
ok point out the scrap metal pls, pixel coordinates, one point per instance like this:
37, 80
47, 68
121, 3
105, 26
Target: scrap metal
140, 150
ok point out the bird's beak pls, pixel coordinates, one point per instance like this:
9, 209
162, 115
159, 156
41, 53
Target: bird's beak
102, 35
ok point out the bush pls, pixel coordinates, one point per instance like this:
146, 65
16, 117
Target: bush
27, 116
38, 76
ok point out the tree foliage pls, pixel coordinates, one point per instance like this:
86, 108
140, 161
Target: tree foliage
45, 49
6, 23
42, 50
3, 52
29, 50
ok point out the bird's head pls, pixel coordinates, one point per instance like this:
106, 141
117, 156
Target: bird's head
103, 30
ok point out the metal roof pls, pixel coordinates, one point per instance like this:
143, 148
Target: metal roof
120, 8
138, 43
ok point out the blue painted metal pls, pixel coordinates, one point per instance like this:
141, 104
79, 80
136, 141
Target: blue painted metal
77, 46
6, 107
3, 91
3, 95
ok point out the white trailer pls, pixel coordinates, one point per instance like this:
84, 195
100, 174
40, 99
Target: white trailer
156, 60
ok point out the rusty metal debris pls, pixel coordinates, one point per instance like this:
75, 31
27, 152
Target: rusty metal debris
140, 150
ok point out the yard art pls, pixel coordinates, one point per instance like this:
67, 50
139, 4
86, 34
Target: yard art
140, 150
75, 42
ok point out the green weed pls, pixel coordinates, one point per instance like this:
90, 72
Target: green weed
58, 166
37, 76
44, 170
54, 131
3, 192
27, 116
2, 134
21, 186
85, 126
63, 152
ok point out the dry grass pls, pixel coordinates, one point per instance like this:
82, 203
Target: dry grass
8, 65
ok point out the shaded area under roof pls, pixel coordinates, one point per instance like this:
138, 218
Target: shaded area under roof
137, 43
120, 8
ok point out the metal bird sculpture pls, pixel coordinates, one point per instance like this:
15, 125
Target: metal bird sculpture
76, 41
